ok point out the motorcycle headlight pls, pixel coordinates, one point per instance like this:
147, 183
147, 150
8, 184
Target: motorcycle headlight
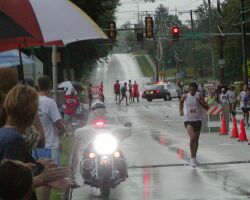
105, 144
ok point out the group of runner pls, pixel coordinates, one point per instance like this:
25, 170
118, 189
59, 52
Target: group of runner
121, 92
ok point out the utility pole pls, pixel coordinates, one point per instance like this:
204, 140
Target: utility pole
221, 42
193, 48
212, 42
193, 41
242, 6
156, 59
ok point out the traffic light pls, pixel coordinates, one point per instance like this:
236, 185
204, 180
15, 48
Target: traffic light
175, 33
149, 27
112, 30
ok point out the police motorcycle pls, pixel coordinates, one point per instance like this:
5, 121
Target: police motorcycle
103, 164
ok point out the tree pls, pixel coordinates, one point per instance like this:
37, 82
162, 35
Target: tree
83, 55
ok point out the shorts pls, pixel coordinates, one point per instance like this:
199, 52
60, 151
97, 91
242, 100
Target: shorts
245, 109
41, 153
68, 118
124, 95
195, 124
117, 92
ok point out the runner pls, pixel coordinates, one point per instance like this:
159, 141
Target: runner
191, 108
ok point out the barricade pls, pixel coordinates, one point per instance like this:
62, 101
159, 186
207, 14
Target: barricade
214, 114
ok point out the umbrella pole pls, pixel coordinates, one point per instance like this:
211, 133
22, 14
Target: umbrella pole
54, 71
20, 67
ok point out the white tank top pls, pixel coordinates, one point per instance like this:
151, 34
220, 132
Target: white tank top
192, 108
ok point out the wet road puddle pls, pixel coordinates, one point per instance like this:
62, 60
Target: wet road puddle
164, 141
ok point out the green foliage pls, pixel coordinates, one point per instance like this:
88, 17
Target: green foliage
233, 44
144, 65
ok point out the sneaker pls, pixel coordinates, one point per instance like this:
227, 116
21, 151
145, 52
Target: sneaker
193, 162
197, 163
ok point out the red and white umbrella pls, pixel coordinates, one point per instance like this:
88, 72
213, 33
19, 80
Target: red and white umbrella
56, 22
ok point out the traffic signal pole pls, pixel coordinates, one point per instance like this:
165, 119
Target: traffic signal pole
193, 48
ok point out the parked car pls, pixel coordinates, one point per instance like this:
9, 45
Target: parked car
165, 91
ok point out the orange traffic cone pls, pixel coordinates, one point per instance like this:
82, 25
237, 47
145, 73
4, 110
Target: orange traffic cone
223, 129
234, 133
242, 136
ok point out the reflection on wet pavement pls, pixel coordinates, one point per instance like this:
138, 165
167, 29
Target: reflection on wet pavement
146, 177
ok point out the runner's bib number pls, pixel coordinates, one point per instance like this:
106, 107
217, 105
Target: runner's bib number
192, 112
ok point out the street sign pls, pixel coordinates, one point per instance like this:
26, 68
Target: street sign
221, 62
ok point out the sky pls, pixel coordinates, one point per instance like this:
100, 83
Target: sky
128, 11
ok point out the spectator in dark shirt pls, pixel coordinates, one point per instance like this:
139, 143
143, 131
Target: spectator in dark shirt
90, 95
15, 180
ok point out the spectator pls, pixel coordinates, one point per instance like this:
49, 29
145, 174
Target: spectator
90, 95
223, 98
53, 127
12, 144
232, 100
202, 90
100, 92
130, 90
241, 97
34, 135
246, 106
117, 91
136, 92
211, 99
179, 89
72, 102
15, 180
8, 77
23, 101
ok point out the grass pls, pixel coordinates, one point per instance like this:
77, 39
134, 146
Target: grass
67, 144
145, 66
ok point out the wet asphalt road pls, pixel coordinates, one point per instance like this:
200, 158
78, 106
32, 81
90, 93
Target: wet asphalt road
158, 150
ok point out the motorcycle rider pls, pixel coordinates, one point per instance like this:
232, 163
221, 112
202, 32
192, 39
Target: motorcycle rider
98, 111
